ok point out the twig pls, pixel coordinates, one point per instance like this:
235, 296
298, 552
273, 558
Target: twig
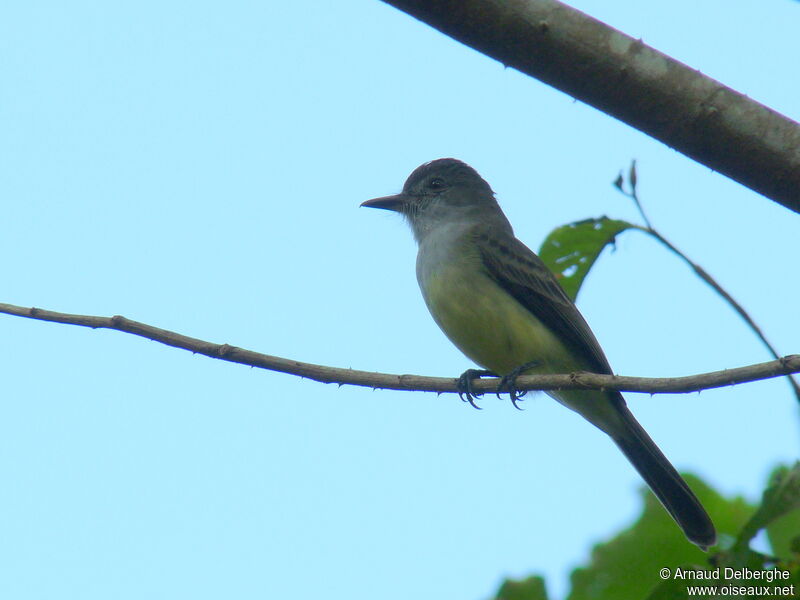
783, 366
699, 271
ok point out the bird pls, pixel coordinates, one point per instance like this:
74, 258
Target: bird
504, 309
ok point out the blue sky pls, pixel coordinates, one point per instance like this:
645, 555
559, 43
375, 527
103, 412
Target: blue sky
199, 166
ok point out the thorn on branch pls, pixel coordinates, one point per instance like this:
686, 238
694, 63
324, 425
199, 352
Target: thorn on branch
785, 365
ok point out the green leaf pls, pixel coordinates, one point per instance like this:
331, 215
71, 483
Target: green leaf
571, 250
784, 535
531, 588
782, 497
629, 565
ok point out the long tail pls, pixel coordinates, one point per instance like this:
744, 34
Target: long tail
665, 482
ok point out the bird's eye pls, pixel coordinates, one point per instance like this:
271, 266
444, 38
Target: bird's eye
437, 183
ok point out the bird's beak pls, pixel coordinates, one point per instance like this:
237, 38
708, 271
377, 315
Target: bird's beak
394, 203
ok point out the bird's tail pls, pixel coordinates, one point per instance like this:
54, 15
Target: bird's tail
663, 479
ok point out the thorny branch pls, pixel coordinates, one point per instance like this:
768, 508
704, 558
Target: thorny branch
783, 366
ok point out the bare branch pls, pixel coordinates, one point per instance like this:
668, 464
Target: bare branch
783, 366
633, 194
703, 274
623, 77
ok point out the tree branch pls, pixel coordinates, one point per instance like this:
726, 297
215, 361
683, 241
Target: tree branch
623, 77
703, 274
633, 194
783, 366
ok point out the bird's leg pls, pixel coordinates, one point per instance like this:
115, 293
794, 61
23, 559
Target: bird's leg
509, 382
465, 391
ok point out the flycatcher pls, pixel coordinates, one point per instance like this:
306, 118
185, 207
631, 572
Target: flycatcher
502, 307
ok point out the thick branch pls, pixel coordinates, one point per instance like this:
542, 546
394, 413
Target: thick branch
623, 77
784, 366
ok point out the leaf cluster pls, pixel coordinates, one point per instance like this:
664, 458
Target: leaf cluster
630, 565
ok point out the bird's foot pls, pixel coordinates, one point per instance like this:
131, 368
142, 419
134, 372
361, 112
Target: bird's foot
508, 383
465, 391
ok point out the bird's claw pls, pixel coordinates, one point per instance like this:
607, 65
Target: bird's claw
465, 391
508, 383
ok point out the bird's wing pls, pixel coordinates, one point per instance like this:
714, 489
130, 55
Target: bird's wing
523, 275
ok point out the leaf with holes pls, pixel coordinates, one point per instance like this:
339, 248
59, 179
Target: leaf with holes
571, 250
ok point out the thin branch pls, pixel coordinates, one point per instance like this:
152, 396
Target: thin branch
699, 271
702, 274
693, 383
623, 77
633, 194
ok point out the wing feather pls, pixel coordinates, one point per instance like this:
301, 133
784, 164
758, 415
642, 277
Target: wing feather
523, 275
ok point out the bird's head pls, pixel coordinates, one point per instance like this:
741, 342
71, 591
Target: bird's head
441, 192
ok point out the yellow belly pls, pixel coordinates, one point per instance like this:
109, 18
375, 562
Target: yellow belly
498, 333
490, 327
